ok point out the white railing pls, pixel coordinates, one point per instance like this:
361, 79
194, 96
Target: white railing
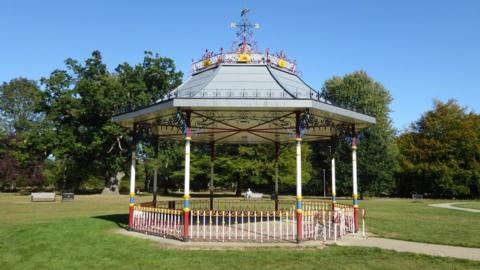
319, 222
157, 221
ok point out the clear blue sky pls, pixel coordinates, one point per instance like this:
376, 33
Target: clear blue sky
419, 50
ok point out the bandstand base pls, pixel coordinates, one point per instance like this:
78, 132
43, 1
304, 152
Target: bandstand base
196, 245
318, 222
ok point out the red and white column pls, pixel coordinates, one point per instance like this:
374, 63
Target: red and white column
354, 177
132, 178
298, 139
186, 192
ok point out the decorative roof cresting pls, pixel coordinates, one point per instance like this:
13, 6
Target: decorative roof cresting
244, 51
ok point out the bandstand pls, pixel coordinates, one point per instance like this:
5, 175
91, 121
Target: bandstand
246, 97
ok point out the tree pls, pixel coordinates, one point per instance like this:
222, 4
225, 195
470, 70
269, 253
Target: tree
20, 122
18, 105
80, 102
244, 166
440, 154
377, 150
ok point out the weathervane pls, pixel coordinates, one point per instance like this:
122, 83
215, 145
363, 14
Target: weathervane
244, 32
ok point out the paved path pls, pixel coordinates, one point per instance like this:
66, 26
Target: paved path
217, 245
383, 243
450, 206
406, 246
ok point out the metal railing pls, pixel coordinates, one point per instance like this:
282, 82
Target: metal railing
248, 220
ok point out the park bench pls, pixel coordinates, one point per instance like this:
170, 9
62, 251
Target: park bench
417, 197
43, 197
253, 195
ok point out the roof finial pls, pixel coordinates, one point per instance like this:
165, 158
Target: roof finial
244, 32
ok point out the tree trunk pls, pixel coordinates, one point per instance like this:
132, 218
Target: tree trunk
164, 183
112, 185
13, 185
147, 183
238, 190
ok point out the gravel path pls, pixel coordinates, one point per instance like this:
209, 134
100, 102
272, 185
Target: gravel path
406, 246
451, 206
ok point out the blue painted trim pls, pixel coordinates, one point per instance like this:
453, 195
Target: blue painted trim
299, 204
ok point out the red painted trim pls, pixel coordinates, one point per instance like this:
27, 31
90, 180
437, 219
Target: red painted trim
260, 136
130, 217
215, 120
186, 222
269, 121
188, 131
299, 227
355, 218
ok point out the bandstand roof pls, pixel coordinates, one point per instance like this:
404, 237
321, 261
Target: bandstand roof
244, 97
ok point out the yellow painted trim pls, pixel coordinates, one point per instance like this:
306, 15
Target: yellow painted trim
282, 63
207, 62
188, 138
186, 209
186, 196
244, 57
355, 196
299, 198
300, 211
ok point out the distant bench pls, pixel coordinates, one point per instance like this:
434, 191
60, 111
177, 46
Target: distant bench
253, 196
43, 197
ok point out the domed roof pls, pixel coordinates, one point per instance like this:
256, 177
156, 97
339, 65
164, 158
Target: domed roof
244, 97
244, 80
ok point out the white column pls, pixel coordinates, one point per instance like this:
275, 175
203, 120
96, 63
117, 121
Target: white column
354, 172
299, 167
132, 171
354, 178
187, 167
334, 184
132, 181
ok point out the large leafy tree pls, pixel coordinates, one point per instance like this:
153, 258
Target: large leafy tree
20, 121
80, 102
440, 154
376, 149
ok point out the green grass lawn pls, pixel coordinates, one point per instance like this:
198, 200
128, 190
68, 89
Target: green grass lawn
472, 205
416, 221
81, 235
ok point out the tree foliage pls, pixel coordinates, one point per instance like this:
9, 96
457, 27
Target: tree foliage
440, 154
20, 164
376, 147
80, 102
59, 132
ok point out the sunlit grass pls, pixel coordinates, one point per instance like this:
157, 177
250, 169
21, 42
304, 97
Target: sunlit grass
81, 235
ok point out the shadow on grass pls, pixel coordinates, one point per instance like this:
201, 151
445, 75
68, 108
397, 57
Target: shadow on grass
121, 220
